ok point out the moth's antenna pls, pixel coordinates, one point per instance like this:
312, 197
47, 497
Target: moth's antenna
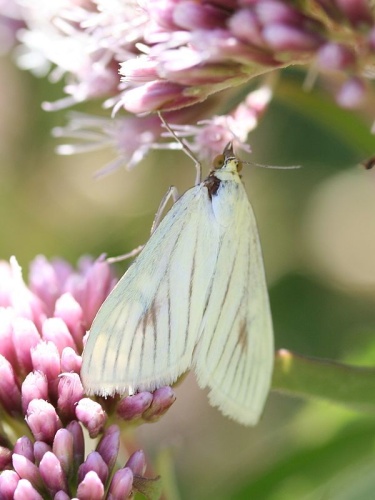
277, 167
185, 148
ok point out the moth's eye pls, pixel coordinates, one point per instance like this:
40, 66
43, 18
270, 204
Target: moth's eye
218, 161
239, 166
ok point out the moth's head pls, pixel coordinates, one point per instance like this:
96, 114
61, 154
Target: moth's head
227, 161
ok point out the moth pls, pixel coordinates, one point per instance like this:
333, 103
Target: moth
195, 298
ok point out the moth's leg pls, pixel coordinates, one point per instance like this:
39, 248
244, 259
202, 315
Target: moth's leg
172, 192
129, 255
185, 148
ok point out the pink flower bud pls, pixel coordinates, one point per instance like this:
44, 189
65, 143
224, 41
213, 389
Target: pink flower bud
137, 463
6, 279
42, 420
68, 309
8, 484
27, 470
85, 337
10, 396
25, 490
93, 289
44, 281
247, 113
352, 93
275, 11
56, 331
163, 399
191, 15
24, 302
52, 473
109, 445
91, 487
283, 37
70, 361
70, 391
245, 25
157, 95
335, 56
25, 448
63, 272
5, 457
40, 449
25, 337
35, 386
371, 39
92, 415
62, 447
357, 11
78, 442
46, 358
163, 14
132, 407
140, 70
61, 495
6, 335
94, 462
121, 484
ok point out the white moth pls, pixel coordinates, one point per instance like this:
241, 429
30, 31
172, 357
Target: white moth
195, 298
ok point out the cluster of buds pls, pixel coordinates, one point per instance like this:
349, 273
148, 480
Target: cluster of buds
42, 400
41, 470
175, 55
198, 48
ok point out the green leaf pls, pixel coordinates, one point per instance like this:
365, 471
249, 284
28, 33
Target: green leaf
324, 379
310, 469
352, 128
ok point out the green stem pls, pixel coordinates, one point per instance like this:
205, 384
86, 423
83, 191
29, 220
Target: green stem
166, 469
324, 379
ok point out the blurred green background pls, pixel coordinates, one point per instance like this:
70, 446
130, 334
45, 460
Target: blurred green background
317, 228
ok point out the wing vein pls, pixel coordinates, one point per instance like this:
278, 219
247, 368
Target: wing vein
191, 284
221, 310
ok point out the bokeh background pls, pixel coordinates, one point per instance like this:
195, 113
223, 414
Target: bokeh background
317, 228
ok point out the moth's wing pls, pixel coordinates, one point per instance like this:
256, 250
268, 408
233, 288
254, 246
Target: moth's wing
234, 356
144, 334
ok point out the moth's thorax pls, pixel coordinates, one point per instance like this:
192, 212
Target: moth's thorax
229, 171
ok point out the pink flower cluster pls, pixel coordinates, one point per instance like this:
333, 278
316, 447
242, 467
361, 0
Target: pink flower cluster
41, 471
186, 58
42, 329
